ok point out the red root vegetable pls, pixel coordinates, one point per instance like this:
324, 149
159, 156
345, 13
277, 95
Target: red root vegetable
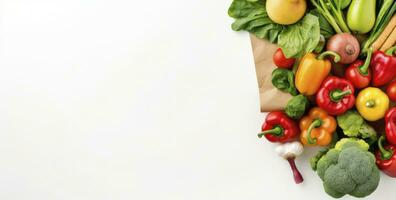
346, 45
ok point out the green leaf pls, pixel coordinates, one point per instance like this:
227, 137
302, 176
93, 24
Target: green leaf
300, 38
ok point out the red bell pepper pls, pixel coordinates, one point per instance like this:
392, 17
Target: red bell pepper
278, 127
383, 67
359, 72
336, 95
390, 126
386, 158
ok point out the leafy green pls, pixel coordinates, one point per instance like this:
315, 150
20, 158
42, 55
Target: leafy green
250, 15
297, 106
348, 168
283, 79
295, 40
325, 28
300, 38
332, 12
354, 125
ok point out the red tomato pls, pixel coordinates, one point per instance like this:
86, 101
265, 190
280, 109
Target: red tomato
281, 61
391, 91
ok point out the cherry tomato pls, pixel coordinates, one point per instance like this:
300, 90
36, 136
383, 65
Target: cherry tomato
281, 61
391, 91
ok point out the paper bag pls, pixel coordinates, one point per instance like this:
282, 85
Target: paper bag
271, 98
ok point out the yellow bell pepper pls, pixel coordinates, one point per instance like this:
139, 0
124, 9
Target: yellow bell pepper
312, 71
372, 103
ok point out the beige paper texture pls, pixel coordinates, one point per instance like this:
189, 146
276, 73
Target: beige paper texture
271, 98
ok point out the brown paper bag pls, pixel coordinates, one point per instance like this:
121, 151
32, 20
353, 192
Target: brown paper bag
271, 98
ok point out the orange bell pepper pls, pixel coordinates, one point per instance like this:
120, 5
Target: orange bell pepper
317, 128
312, 71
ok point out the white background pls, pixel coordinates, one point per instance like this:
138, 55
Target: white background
120, 99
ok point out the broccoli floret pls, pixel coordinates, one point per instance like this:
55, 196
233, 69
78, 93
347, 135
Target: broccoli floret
353, 125
348, 168
351, 142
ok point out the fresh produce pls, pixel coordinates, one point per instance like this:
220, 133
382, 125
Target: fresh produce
372, 103
317, 128
297, 106
385, 14
345, 3
286, 11
326, 30
281, 61
295, 40
386, 158
383, 67
332, 11
300, 38
360, 37
346, 45
390, 126
348, 168
353, 125
336, 95
391, 91
390, 41
361, 16
312, 71
278, 127
385, 34
290, 151
359, 72
283, 79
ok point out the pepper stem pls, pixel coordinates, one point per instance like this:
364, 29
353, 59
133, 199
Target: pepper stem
370, 103
364, 68
337, 95
385, 154
336, 56
296, 174
315, 124
391, 51
276, 131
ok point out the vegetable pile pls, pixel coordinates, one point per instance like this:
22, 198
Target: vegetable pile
338, 59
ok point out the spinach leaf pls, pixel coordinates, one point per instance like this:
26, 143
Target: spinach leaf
283, 79
300, 38
350, 122
297, 106
251, 16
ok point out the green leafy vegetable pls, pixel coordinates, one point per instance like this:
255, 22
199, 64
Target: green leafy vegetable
300, 38
325, 28
252, 17
354, 125
332, 12
283, 79
295, 40
297, 106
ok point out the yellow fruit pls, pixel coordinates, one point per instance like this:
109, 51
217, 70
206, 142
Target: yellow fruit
286, 11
